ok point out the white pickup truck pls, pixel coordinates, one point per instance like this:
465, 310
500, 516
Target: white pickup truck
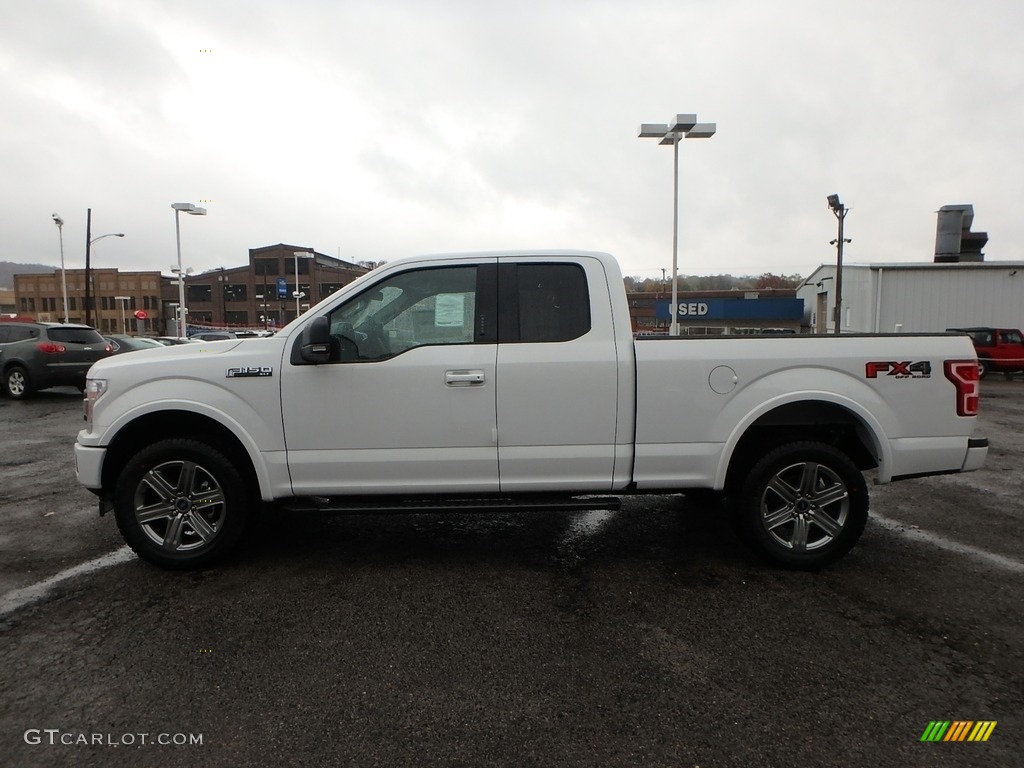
501, 380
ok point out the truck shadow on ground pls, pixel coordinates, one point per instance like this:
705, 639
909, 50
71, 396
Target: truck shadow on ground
665, 529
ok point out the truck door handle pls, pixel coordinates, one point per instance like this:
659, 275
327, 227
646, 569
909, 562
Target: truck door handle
463, 378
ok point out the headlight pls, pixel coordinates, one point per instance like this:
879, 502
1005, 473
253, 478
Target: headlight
94, 389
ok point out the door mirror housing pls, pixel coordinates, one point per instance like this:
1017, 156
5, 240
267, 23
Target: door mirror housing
315, 341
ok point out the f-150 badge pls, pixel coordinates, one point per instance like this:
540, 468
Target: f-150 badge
250, 371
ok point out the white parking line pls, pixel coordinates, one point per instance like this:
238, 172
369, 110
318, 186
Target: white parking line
19, 598
983, 555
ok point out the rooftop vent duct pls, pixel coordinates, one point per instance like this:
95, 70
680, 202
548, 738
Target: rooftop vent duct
954, 241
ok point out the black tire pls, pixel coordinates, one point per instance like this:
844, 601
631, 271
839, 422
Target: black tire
181, 504
984, 367
17, 384
803, 505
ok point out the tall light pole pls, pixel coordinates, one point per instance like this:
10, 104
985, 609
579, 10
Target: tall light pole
89, 240
299, 294
63, 274
122, 300
840, 212
682, 127
194, 211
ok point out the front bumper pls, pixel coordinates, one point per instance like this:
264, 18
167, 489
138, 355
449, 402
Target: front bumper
89, 466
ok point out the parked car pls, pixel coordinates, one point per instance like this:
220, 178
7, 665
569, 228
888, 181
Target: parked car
36, 356
999, 349
132, 343
213, 336
171, 341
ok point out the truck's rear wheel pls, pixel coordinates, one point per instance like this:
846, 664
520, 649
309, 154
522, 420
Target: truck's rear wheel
180, 503
803, 505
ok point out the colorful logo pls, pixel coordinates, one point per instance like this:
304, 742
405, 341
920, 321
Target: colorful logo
958, 730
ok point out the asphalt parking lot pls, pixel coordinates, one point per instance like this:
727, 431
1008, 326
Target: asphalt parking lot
648, 636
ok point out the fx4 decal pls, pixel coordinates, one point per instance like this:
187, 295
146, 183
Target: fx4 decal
899, 370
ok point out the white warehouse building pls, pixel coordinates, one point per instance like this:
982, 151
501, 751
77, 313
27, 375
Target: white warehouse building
916, 298
958, 290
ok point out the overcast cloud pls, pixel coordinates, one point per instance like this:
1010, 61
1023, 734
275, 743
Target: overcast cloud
373, 130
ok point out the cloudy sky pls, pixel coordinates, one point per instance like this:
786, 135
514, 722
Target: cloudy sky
377, 129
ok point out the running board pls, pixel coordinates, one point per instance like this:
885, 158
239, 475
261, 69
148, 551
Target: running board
404, 506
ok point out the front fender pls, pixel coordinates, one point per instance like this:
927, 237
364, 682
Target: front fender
258, 430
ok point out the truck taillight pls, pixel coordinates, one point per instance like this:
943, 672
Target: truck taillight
49, 348
964, 375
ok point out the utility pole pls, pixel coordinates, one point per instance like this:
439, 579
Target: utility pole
88, 273
840, 212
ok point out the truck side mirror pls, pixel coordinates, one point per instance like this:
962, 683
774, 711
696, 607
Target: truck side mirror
315, 343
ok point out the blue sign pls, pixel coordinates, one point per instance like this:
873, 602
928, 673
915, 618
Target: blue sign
282, 288
734, 309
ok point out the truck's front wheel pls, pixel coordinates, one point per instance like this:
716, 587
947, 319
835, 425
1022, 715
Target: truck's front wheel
180, 503
803, 505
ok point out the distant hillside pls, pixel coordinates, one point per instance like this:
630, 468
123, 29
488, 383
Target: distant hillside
8, 269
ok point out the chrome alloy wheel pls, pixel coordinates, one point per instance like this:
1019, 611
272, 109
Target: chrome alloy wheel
180, 506
804, 506
17, 383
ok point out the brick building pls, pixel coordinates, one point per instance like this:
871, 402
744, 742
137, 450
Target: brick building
257, 295
114, 297
262, 293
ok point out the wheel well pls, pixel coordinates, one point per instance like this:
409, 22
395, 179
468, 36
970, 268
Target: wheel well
154, 427
812, 420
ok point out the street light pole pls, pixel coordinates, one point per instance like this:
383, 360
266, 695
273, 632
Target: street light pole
840, 212
193, 210
63, 274
298, 293
89, 240
122, 300
682, 127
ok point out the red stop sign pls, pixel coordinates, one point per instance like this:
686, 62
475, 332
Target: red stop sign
141, 315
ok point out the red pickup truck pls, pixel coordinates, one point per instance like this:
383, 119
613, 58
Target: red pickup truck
998, 349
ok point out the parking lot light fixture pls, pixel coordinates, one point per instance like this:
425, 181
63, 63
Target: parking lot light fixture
89, 240
297, 293
122, 300
683, 126
192, 210
63, 274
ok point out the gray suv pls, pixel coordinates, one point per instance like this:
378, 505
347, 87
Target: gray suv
36, 356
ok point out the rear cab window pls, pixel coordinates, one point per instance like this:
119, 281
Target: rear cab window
542, 302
